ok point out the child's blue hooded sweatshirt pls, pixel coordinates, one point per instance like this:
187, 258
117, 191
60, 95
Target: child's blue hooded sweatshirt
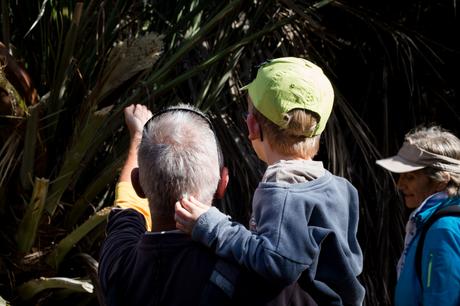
303, 226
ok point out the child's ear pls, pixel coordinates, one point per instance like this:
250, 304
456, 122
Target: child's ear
135, 182
223, 182
253, 127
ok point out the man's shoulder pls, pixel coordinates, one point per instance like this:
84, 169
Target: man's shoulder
123, 212
126, 215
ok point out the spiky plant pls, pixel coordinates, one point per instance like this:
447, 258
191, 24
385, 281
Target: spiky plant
60, 156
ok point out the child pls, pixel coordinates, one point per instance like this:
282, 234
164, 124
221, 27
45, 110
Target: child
304, 219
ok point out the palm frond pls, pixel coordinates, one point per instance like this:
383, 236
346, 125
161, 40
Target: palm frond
392, 65
33, 287
27, 230
9, 154
66, 244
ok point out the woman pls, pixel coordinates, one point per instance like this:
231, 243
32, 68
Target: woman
429, 168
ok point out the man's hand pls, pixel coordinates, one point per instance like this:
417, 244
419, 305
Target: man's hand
136, 115
187, 212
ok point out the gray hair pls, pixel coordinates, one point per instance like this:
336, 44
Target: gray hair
437, 140
179, 154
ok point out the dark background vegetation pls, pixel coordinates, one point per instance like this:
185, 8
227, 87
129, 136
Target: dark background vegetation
393, 64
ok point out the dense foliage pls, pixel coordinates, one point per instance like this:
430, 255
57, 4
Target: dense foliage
69, 67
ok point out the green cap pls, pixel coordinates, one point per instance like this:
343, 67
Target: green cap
288, 83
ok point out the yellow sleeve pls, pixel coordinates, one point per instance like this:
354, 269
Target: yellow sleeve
126, 197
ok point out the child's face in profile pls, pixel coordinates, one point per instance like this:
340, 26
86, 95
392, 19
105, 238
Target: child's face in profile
255, 131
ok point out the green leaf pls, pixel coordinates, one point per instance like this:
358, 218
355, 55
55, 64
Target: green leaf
28, 157
3, 302
33, 287
188, 44
72, 161
55, 102
27, 230
66, 244
104, 178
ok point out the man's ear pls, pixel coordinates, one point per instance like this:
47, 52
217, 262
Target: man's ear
253, 127
135, 182
223, 182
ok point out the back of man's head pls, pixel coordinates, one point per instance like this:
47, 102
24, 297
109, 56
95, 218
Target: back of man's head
179, 154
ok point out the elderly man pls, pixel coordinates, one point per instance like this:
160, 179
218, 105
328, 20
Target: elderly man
176, 154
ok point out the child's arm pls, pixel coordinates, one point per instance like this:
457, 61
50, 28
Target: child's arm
232, 240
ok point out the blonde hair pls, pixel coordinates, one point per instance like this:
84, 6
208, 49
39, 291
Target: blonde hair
293, 137
437, 140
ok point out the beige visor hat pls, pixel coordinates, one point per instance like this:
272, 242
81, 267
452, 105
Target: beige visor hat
411, 158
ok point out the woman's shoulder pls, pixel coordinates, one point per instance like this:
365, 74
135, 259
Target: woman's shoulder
447, 223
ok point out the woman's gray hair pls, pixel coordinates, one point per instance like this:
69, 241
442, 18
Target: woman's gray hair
437, 140
179, 154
